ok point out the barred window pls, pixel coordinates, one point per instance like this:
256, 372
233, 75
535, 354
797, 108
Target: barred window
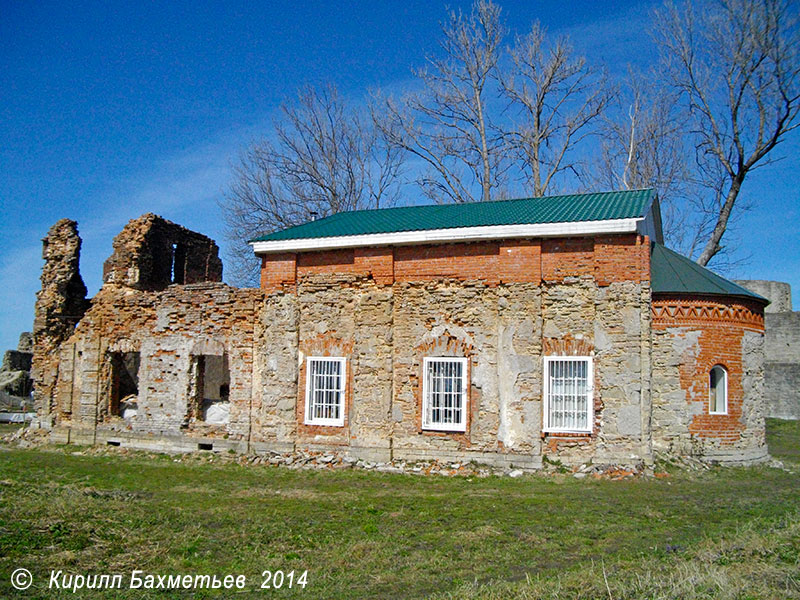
718, 391
444, 394
568, 394
325, 381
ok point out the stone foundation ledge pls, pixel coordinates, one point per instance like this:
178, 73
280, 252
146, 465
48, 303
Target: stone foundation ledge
416, 462
724, 457
736, 457
307, 455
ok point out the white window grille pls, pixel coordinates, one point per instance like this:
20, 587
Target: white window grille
568, 402
325, 382
444, 394
718, 391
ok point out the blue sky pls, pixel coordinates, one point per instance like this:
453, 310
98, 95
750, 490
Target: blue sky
110, 110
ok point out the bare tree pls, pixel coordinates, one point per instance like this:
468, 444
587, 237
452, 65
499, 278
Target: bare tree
644, 146
555, 101
447, 126
736, 66
323, 157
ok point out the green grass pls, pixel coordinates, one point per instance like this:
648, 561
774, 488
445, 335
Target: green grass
370, 535
783, 438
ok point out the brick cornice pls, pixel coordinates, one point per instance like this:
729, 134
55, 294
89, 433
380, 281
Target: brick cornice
676, 311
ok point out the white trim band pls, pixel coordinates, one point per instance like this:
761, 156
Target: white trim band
455, 234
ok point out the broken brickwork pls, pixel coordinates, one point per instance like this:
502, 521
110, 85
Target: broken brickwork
60, 305
152, 253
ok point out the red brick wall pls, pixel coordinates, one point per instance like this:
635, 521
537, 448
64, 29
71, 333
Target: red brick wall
278, 270
376, 262
567, 257
722, 323
458, 261
329, 261
621, 258
607, 258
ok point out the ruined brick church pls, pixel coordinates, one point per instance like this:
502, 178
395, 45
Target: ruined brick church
500, 332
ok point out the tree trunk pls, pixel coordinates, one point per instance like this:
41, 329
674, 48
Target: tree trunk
713, 246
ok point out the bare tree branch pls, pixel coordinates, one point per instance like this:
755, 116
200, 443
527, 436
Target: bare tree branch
447, 126
322, 158
736, 67
555, 101
644, 146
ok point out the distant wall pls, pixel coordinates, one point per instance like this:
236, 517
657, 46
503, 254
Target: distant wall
781, 349
782, 369
778, 293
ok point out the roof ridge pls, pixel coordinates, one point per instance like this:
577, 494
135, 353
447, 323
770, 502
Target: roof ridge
485, 202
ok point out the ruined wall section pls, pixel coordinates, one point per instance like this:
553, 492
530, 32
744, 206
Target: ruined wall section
60, 304
498, 329
151, 253
274, 424
690, 337
169, 330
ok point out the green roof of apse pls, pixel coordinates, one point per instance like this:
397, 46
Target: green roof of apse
671, 272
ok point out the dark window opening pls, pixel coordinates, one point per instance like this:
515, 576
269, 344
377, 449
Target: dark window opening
205, 446
112, 443
124, 384
212, 388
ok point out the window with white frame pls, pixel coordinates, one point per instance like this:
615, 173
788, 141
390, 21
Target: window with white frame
444, 394
568, 402
718, 390
325, 382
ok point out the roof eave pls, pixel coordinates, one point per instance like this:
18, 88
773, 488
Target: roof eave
753, 297
455, 234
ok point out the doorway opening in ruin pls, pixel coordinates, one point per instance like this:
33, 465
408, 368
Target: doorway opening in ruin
178, 268
212, 384
124, 397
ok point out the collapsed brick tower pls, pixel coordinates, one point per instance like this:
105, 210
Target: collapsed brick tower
60, 304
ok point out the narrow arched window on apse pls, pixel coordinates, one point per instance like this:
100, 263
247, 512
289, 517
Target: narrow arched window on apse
718, 390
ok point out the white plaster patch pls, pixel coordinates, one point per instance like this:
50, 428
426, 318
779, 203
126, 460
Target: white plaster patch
162, 318
629, 420
601, 340
551, 330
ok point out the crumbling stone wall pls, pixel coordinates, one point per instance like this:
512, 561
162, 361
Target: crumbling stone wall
169, 330
151, 253
60, 305
15, 379
138, 312
502, 305
690, 336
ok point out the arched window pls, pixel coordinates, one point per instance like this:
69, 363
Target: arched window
718, 391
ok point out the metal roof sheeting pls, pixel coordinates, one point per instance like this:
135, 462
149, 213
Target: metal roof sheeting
551, 209
672, 273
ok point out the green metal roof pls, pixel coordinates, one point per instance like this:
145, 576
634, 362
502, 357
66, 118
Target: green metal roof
672, 273
551, 209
